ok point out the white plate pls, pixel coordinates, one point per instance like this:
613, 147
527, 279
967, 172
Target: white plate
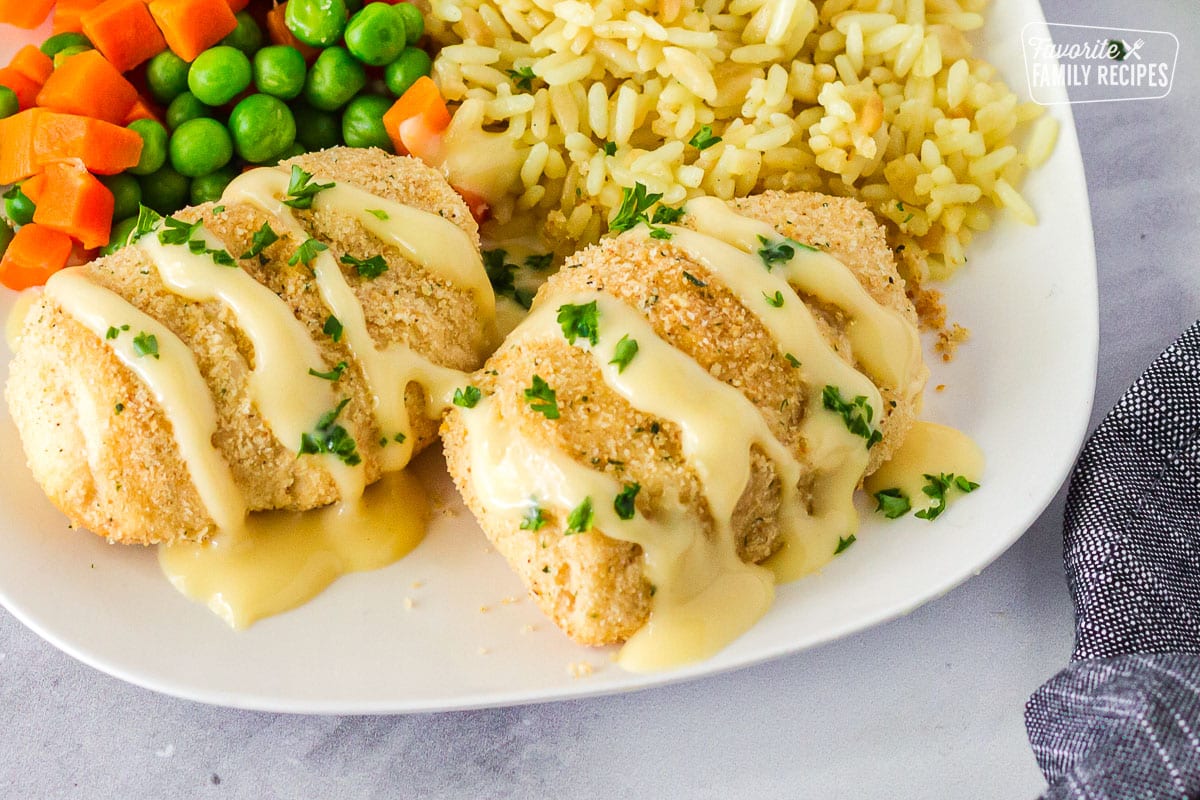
1022, 387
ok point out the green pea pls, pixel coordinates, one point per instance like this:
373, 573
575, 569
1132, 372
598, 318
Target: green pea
247, 36
316, 129
316, 22
279, 71
154, 145
126, 192
200, 146
208, 188
404, 71
8, 102
18, 207
219, 74
184, 107
62, 55
6, 236
335, 77
362, 122
262, 128
119, 236
165, 191
414, 23
61, 41
167, 76
376, 35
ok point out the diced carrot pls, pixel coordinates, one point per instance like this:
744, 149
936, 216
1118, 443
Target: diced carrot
104, 148
124, 32
192, 26
17, 158
26, 14
481, 209
75, 203
25, 89
278, 33
34, 187
33, 64
68, 14
34, 254
143, 109
416, 120
88, 84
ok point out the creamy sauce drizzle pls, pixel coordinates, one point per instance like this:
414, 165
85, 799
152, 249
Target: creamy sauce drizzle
389, 370
886, 344
285, 558
173, 378
929, 449
289, 398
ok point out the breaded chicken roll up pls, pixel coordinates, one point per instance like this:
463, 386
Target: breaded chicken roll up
279, 349
685, 402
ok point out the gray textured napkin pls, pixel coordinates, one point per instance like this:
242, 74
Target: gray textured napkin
1123, 720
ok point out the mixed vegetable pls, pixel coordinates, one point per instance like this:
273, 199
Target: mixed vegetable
163, 103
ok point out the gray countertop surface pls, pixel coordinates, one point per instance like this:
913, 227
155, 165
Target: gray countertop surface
927, 706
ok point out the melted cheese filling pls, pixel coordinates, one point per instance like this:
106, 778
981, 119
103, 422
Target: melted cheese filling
270, 562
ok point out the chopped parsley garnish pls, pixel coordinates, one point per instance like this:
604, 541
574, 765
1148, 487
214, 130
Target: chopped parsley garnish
844, 544
534, 519
610, 148
660, 233
635, 203
147, 221
333, 374
791, 359
263, 238
399, 438
624, 352
467, 397
499, 271
145, 344
665, 215
580, 322
522, 78
779, 252
623, 503
176, 231
936, 488
581, 517
301, 190
369, 268
329, 437
892, 503
379, 214
693, 280
541, 398
857, 414
704, 138
333, 328
306, 252
113, 332
119, 407
539, 261
775, 300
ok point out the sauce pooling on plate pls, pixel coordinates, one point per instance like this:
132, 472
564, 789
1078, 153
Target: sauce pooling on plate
267, 562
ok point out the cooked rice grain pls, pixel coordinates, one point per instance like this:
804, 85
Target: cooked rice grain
876, 99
